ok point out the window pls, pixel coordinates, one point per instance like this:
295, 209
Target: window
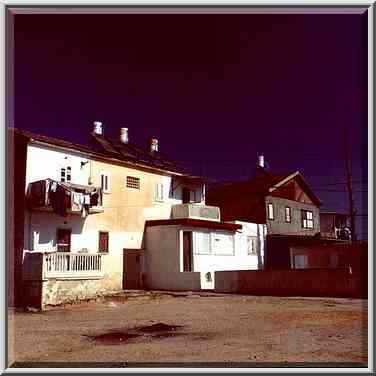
103, 242
252, 245
202, 243
63, 240
270, 211
66, 174
288, 214
307, 219
158, 194
133, 182
105, 182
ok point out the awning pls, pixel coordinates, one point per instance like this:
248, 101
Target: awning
194, 223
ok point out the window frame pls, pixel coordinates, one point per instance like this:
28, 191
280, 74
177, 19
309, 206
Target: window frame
306, 221
63, 245
130, 182
159, 192
270, 205
103, 186
288, 217
107, 233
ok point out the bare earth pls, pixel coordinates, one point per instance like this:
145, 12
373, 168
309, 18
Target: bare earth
170, 329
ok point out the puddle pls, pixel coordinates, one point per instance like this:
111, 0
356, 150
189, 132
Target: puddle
158, 328
149, 332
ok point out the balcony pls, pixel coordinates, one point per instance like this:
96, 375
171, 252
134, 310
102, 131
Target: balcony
195, 211
64, 198
62, 265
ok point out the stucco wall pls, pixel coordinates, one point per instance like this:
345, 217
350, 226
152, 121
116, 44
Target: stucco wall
279, 225
45, 162
162, 261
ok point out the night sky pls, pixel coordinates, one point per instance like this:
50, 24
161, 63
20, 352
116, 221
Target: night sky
216, 90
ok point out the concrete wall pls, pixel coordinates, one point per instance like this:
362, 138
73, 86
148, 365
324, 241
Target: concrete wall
163, 261
315, 282
279, 224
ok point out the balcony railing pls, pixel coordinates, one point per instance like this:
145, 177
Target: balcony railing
66, 264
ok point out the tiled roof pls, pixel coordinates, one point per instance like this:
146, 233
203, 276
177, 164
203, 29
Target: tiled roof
105, 147
256, 187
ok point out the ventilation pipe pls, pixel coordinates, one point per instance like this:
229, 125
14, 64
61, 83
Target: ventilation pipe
97, 127
153, 144
124, 135
261, 161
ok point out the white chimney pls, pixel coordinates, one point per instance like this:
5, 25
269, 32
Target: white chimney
261, 162
153, 144
97, 127
124, 135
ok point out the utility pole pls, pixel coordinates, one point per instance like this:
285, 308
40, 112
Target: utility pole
349, 185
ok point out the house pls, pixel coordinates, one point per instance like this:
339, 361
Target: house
97, 218
335, 225
285, 203
77, 208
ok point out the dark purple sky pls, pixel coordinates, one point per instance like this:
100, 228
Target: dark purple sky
216, 90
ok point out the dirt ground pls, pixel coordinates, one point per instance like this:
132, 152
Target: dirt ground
143, 329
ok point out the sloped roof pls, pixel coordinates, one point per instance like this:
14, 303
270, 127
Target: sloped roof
259, 186
105, 147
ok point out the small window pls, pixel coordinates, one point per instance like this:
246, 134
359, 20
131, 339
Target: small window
288, 214
307, 219
252, 245
103, 242
133, 182
105, 182
158, 194
270, 211
66, 174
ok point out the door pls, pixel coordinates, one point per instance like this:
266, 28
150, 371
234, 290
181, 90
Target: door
63, 240
132, 269
187, 251
186, 195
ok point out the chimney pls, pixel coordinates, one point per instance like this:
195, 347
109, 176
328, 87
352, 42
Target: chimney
153, 144
261, 162
97, 127
124, 135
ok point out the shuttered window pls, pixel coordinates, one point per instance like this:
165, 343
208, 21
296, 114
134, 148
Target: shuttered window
103, 242
158, 192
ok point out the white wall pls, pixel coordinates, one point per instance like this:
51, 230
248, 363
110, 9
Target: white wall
45, 162
162, 260
41, 230
163, 263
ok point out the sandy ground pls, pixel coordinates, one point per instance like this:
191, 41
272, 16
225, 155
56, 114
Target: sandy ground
132, 329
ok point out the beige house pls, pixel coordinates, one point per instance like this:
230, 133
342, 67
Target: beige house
80, 211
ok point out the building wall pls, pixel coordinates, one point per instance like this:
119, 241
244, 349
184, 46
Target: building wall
46, 161
279, 224
162, 262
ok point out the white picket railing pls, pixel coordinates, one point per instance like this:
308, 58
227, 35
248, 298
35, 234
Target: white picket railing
71, 264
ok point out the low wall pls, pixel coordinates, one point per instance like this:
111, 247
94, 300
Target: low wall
308, 282
39, 291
